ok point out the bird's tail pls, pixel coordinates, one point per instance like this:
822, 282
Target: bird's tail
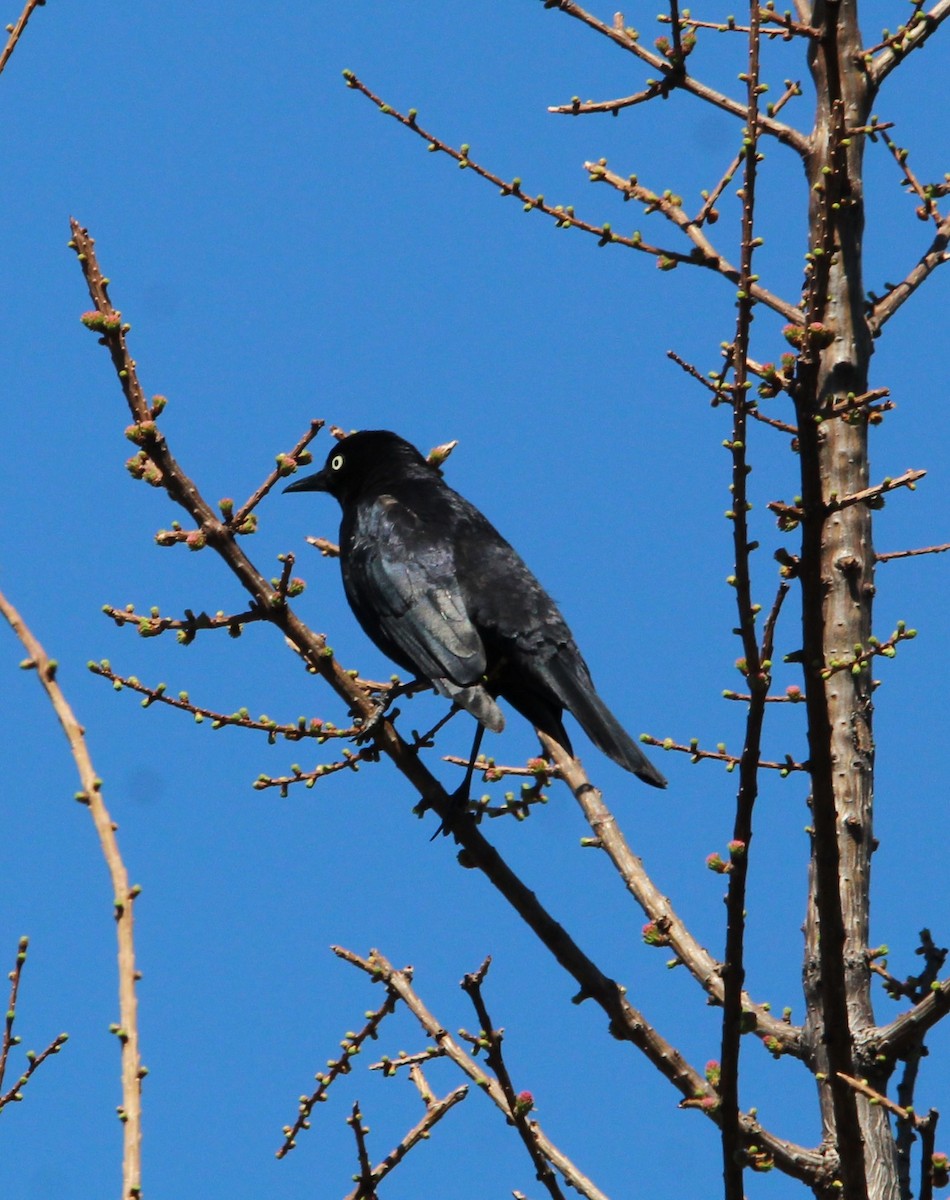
572, 683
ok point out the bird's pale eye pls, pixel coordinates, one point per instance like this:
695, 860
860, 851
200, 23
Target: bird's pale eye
336, 462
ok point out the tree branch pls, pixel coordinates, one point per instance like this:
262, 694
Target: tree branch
624, 39
916, 36
124, 896
710, 257
883, 309
16, 31
380, 969
698, 961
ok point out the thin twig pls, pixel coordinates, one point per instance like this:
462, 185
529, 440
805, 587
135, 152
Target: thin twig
381, 970
670, 208
351, 1045
519, 1105
884, 308
889, 555
626, 41
370, 1177
9, 1039
564, 216
720, 754
286, 465
319, 731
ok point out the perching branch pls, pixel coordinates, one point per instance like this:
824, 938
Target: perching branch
706, 970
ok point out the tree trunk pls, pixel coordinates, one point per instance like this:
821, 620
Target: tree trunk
837, 578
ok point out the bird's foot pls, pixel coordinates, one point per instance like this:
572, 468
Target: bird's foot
368, 727
459, 807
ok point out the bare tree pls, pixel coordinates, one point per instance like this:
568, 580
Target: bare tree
819, 382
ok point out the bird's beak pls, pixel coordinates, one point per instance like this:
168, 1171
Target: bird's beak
309, 483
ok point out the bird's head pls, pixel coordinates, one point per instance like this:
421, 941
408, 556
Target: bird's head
372, 458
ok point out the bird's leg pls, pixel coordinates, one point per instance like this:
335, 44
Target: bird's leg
461, 794
370, 725
460, 799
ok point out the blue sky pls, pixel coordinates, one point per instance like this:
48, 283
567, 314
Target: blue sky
285, 252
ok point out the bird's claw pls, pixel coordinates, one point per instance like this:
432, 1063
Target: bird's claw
369, 726
458, 809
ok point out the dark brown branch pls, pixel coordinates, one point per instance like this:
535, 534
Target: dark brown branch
366, 1189
519, 1104
757, 659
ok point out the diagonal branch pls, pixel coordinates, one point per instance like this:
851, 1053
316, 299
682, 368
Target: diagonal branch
698, 961
893, 1039
882, 310
16, 31
380, 969
369, 1177
890, 58
708, 255
564, 216
518, 1105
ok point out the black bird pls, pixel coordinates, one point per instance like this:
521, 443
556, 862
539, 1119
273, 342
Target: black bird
441, 593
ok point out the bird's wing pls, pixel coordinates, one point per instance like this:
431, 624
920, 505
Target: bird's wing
401, 580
